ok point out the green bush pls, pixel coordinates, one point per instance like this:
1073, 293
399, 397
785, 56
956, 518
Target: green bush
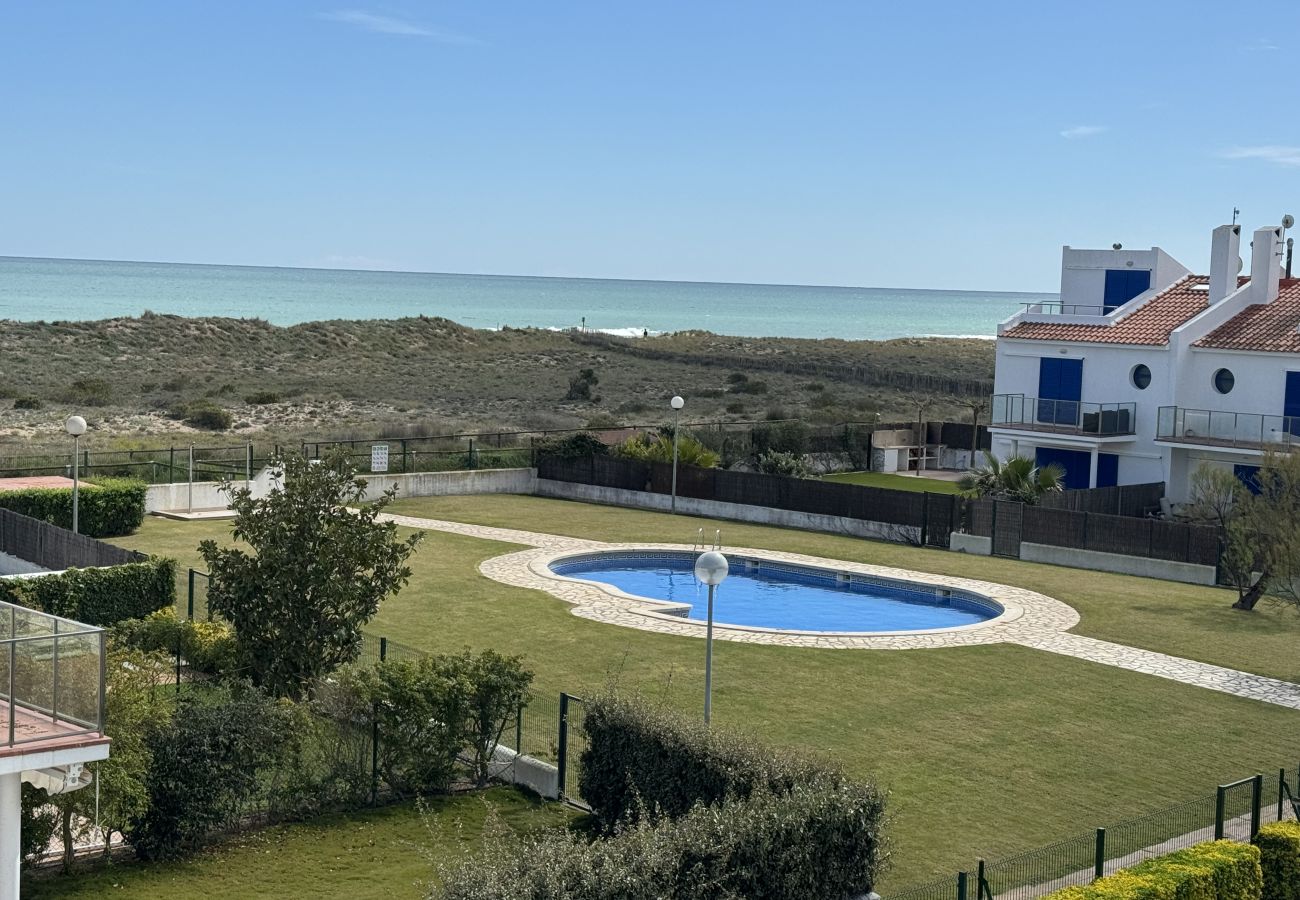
1216, 870
573, 446
782, 437
205, 414
28, 403
811, 842
777, 462
1279, 857
261, 398
99, 596
111, 507
640, 756
690, 451
209, 647
89, 392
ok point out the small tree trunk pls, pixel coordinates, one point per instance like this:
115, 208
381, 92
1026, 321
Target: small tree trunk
1248, 600
69, 850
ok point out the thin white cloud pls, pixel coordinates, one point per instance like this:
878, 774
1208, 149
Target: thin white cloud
1276, 154
1083, 131
389, 25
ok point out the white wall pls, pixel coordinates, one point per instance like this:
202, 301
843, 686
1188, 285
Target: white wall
1083, 272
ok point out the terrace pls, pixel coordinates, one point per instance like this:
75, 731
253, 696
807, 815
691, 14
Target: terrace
1219, 428
1069, 417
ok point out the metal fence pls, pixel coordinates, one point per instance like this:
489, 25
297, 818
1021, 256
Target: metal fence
155, 465
1234, 811
52, 547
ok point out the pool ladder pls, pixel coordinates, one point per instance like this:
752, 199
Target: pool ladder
700, 546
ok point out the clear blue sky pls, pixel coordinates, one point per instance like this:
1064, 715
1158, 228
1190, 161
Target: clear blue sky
939, 144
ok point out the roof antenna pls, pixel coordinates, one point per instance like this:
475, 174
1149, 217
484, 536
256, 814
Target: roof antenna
1235, 212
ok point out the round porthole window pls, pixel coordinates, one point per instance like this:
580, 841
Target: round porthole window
1224, 380
1141, 377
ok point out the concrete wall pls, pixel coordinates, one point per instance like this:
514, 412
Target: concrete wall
1083, 272
534, 774
1188, 573
205, 494
439, 484
761, 515
13, 565
971, 543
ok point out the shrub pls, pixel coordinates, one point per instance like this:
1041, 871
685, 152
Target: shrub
37, 824
736, 409
573, 446
737, 378
1279, 858
1215, 870
204, 764
783, 437
777, 462
89, 392
261, 398
203, 414
580, 385
690, 451
209, 647
749, 387
28, 403
639, 755
811, 842
110, 508
99, 596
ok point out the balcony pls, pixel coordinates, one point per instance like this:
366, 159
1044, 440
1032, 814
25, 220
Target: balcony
1214, 428
1068, 417
51, 683
1055, 308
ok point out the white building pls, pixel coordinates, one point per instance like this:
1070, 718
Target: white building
1143, 371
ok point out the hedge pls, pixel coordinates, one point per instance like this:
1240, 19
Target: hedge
1279, 857
640, 756
111, 507
98, 596
1216, 870
818, 842
209, 647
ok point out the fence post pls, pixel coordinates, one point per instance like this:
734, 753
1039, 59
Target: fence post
519, 731
981, 883
374, 734
471, 453
961, 886
171, 466
1256, 800
563, 750
925, 516
190, 615
1281, 790
1099, 861
1219, 797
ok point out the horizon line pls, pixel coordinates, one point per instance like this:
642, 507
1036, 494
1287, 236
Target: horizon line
778, 284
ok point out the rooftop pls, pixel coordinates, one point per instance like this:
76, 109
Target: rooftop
1266, 327
1149, 324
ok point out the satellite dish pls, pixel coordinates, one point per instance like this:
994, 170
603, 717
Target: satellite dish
1288, 221
1240, 265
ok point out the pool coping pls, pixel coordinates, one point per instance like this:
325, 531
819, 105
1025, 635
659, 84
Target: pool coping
1027, 615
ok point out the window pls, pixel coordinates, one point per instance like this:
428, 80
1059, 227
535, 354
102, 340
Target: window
1141, 377
1224, 381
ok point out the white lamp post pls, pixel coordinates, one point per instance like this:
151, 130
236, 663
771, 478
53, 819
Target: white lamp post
676, 403
75, 426
711, 568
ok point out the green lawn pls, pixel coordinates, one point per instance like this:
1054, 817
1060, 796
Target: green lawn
987, 750
895, 482
385, 854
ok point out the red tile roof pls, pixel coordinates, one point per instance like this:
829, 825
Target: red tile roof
1150, 324
1268, 327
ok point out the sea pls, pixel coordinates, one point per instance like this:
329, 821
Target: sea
74, 289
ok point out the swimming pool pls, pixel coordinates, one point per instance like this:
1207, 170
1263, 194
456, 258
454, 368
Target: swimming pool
766, 594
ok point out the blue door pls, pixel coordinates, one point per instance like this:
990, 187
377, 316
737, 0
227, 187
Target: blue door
1291, 403
1249, 476
1107, 470
1076, 463
1122, 285
1060, 386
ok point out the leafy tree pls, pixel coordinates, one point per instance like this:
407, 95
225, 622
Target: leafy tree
316, 574
36, 824
498, 689
573, 446
134, 709
204, 765
777, 462
647, 448
1018, 478
580, 385
1260, 531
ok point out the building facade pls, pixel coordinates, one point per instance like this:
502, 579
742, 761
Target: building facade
1143, 371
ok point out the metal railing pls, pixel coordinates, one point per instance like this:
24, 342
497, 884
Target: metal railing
51, 676
1219, 428
1063, 416
1057, 308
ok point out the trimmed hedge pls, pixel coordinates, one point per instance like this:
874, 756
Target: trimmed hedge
98, 596
641, 756
111, 507
1216, 870
1279, 857
209, 647
811, 842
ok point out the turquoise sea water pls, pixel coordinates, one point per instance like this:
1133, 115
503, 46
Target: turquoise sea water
61, 289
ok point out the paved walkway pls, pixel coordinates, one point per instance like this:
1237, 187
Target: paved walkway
1030, 619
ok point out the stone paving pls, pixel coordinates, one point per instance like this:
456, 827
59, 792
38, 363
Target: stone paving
1029, 619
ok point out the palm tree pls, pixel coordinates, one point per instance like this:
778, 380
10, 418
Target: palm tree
1018, 478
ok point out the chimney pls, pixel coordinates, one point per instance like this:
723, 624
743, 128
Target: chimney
1265, 264
1225, 249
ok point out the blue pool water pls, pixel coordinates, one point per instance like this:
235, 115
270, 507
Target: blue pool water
769, 595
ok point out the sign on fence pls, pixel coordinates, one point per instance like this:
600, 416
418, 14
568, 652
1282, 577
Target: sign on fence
378, 457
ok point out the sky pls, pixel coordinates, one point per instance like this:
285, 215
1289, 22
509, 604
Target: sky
927, 145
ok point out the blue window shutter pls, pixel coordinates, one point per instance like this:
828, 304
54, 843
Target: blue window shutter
1291, 403
1107, 470
1059, 380
1076, 463
1248, 475
1122, 285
